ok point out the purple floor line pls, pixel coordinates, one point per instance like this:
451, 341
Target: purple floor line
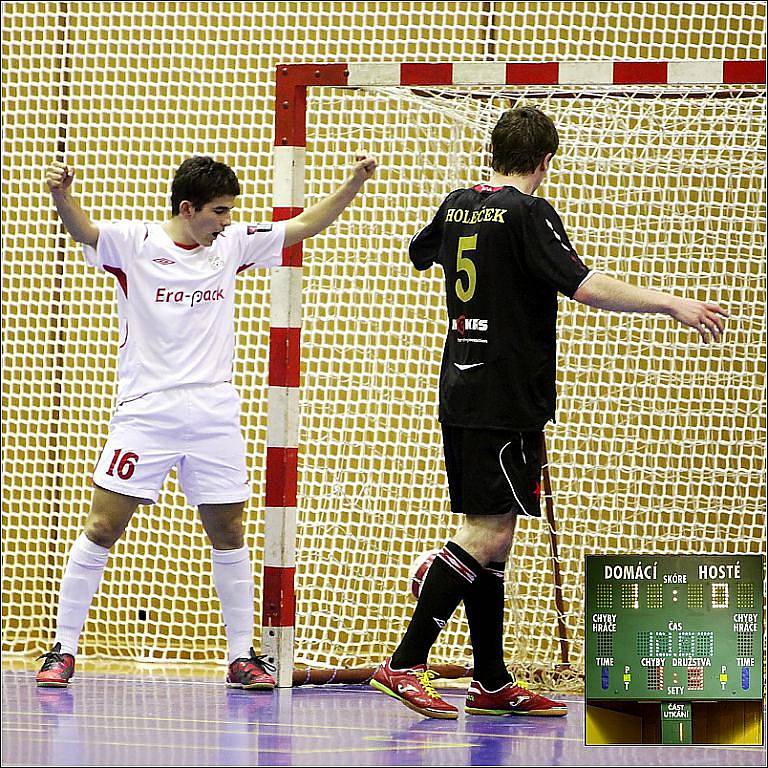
160, 720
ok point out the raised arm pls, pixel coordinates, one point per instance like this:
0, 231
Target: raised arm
59, 179
606, 292
321, 215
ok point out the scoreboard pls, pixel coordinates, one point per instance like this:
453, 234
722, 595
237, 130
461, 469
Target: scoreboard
674, 628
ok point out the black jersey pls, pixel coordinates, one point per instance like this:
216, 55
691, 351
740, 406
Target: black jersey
505, 256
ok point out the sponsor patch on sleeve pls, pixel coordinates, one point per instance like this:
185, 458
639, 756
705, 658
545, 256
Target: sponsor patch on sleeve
267, 227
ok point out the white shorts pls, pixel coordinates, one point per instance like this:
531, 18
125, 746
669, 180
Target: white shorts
195, 428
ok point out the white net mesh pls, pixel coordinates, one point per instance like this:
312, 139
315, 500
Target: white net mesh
659, 444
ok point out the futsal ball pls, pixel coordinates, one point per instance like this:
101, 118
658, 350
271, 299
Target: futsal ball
419, 571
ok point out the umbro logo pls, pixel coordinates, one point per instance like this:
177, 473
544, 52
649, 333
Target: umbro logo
440, 623
164, 261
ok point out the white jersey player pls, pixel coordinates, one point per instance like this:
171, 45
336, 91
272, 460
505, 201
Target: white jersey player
176, 403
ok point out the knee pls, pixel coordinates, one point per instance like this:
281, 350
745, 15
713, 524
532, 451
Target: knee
504, 547
487, 539
109, 515
227, 540
498, 544
226, 532
101, 532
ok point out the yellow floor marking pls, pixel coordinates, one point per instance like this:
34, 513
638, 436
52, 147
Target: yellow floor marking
435, 744
388, 729
271, 750
116, 717
367, 729
221, 731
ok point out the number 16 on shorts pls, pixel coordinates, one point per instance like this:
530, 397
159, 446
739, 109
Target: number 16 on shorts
125, 470
123, 463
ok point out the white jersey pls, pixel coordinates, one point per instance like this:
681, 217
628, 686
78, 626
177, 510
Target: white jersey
176, 306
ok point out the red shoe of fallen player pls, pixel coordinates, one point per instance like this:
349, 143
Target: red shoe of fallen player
251, 673
57, 668
413, 687
511, 699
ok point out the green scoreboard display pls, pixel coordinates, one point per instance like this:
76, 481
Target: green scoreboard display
674, 628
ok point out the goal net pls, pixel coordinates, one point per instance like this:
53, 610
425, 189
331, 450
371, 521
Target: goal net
659, 443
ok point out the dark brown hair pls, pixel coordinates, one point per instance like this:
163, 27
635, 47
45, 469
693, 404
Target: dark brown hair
521, 139
201, 179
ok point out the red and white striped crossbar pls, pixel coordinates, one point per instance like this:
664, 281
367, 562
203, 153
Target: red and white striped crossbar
715, 71
278, 616
558, 73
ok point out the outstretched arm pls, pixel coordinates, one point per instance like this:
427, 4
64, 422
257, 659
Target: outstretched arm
323, 214
606, 292
59, 179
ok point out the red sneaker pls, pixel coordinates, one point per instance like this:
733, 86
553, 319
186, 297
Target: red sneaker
414, 688
511, 699
57, 668
251, 673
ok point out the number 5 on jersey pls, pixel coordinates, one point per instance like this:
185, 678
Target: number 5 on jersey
126, 465
465, 264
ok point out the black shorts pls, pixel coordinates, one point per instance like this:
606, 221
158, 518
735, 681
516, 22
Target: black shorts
493, 472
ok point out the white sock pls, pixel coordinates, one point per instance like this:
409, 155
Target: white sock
233, 579
81, 580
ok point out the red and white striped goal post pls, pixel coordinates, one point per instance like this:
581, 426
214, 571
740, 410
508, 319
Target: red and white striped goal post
292, 82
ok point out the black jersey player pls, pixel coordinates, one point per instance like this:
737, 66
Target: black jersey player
505, 255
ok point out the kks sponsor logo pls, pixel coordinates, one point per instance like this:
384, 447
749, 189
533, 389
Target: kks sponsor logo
463, 324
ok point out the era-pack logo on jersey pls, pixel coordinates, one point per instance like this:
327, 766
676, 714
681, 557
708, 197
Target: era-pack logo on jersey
463, 324
171, 296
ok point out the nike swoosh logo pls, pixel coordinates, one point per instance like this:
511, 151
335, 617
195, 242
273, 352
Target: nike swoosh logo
467, 367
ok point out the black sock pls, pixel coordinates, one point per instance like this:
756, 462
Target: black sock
484, 606
449, 578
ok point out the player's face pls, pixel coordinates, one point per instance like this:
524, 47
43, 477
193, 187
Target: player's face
211, 220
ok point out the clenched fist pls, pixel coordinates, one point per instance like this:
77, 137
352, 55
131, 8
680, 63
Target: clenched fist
364, 167
59, 177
